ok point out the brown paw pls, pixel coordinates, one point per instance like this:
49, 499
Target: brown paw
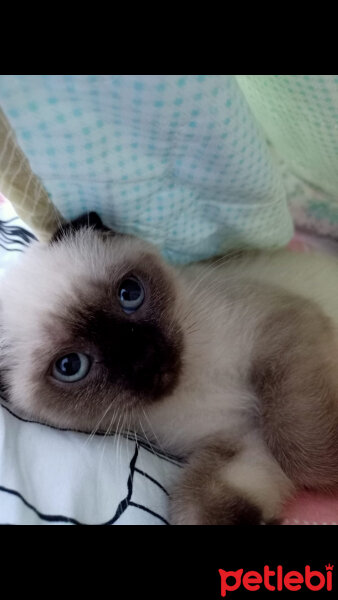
234, 510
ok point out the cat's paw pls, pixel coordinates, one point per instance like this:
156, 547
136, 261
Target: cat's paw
231, 510
225, 484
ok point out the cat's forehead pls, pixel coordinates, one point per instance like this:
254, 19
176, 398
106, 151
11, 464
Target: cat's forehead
86, 254
80, 268
93, 253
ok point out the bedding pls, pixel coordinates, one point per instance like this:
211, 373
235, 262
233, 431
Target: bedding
298, 114
177, 160
61, 477
197, 165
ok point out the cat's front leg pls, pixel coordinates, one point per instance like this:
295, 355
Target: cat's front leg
230, 483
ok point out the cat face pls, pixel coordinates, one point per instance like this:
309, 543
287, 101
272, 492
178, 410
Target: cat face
89, 328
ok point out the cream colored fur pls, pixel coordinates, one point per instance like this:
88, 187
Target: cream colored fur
221, 308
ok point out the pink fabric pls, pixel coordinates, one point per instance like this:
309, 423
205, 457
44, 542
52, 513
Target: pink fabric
305, 242
312, 508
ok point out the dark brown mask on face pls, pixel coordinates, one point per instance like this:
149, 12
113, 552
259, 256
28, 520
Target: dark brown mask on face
113, 340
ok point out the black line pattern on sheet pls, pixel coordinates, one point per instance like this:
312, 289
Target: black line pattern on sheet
42, 516
144, 474
11, 249
148, 510
14, 234
122, 507
125, 502
175, 460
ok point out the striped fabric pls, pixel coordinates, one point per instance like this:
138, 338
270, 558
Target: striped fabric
54, 476
22, 186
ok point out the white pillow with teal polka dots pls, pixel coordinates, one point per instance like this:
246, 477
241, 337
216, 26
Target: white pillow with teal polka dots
178, 160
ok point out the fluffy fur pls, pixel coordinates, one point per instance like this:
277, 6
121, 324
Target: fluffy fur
230, 364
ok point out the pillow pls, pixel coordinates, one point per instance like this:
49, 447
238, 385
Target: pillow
299, 116
177, 160
54, 476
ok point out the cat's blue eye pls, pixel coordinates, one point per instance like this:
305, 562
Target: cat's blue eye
71, 367
131, 294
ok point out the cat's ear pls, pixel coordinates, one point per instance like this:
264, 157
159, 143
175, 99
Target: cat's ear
91, 219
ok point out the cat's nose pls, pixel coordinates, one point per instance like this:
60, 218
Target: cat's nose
144, 359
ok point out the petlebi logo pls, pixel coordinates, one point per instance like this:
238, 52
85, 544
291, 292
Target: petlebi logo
277, 579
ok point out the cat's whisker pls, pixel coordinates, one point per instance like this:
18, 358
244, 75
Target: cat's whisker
159, 445
120, 444
104, 441
116, 433
208, 270
147, 439
96, 428
116, 441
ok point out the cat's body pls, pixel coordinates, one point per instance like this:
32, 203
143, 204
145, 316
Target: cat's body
231, 364
242, 305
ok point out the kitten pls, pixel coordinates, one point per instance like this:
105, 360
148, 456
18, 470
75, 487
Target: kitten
230, 364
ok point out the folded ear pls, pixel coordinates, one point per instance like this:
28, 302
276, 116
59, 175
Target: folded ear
91, 219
